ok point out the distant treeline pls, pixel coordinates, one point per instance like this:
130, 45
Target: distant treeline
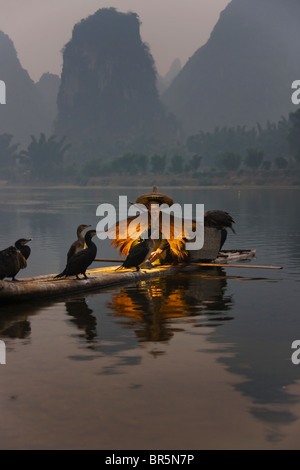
276, 146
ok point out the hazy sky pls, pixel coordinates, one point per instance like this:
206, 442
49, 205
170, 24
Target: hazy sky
41, 28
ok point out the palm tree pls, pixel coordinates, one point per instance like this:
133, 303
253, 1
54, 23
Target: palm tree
254, 158
294, 134
158, 164
8, 151
195, 162
45, 155
131, 164
177, 164
231, 161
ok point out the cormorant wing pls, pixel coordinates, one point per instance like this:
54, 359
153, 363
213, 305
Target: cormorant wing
122, 240
138, 251
11, 261
75, 248
138, 254
78, 259
176, 238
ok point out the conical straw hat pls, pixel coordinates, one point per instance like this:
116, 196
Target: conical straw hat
154, 197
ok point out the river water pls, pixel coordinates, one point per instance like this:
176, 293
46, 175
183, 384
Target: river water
195, 361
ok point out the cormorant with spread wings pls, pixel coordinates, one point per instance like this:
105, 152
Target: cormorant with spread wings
172, 247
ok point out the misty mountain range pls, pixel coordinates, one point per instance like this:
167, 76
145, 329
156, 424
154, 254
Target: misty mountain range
110, 99
243, 74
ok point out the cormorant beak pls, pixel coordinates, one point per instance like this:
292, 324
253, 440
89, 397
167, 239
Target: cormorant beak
27, 241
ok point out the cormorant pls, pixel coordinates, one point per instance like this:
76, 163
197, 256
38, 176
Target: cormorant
138, 254
79, 244
76, 246
14, 258
221, 220
79, 262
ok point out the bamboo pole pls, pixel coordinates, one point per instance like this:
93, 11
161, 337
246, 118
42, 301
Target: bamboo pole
211, 265
229, 265
108, 260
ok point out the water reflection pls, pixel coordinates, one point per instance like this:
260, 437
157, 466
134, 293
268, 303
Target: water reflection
82, 317
15, 320
151, 307
272, 404
156, 310
118, 328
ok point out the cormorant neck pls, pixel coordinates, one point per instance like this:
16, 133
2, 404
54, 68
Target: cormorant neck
89, 241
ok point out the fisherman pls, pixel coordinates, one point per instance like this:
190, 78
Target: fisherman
170, 248
167, 249
161, 253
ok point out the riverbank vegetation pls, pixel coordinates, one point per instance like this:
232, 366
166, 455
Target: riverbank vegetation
234, 156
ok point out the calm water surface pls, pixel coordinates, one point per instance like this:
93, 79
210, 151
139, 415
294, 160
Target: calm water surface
198, 361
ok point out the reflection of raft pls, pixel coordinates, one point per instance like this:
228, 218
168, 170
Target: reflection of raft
42, 287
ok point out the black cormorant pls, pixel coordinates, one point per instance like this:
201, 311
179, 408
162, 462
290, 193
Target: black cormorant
138, 254
79, 262
76, 246
79, 244
14, 258
221, 220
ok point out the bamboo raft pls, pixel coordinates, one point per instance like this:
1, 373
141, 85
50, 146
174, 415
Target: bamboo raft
41, 287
